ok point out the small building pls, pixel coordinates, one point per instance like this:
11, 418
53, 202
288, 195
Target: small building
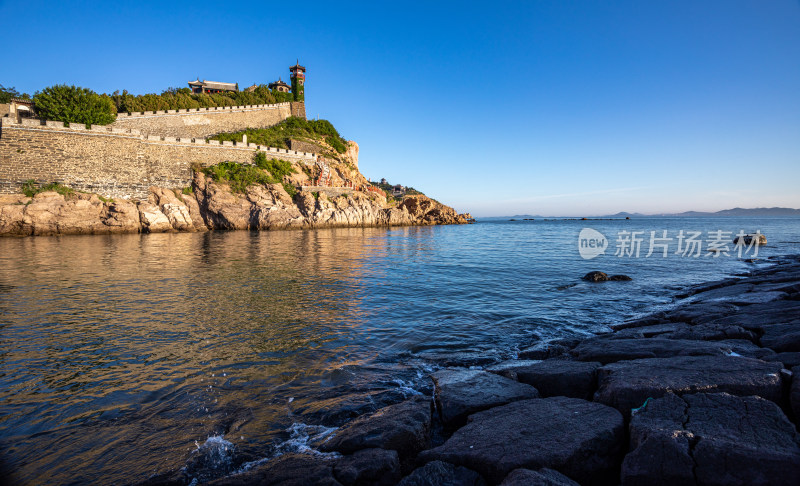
279, 85
212, 86
18, 108
252, 88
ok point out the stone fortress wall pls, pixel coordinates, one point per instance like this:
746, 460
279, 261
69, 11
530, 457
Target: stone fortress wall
204, 122
139, 150
124, 159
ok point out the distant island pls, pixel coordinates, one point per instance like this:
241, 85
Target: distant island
687, 214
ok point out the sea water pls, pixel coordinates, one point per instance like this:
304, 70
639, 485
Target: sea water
124, 357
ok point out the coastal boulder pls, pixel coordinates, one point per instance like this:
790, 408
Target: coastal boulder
608, 349
404, 427
758, 317
751, 239
782, 338
543, 477
291, 469
628, 384
711, 439
122, 217
580, 439
543, 350
552, 378
152, 219
509, 368
438, 473
172, 207
794, 394
596, 277
461, 392
376, 467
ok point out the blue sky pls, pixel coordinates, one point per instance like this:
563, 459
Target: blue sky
541, 107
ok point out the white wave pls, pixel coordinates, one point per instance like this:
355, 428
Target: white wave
406, 387
303, 439
218, 452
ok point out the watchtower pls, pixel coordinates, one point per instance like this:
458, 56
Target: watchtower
298, 80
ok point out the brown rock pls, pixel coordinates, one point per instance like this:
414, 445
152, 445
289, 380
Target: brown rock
152, 219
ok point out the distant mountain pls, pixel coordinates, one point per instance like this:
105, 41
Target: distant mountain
740, 212
755, 212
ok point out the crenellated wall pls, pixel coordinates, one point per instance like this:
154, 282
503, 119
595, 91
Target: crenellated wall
111, 160
204, 122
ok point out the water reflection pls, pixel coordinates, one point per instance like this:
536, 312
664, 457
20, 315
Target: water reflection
117, 353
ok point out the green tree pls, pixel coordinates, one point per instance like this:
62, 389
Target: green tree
73, 104
7, 93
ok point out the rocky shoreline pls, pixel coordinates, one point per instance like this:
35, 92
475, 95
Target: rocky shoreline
213, 206
706, 393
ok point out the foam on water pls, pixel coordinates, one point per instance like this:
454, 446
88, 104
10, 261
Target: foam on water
303, 439
214, 457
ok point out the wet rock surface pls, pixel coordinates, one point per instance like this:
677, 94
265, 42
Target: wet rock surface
542, 477
460, 393
561, 378
627, 384
578, 438
438, 473
712, 439
607, 349
404, 427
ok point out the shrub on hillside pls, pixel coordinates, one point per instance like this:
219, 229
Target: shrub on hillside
73, 104
240, 176
291, 128
278, 168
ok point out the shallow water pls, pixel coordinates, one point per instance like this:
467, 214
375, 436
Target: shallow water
122, 357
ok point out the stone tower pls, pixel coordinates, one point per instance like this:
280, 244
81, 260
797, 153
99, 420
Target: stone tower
298, 80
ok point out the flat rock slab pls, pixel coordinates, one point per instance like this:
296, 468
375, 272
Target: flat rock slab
369, 466
653, 330
543, 477
699, 312
580, 439
376, 467
782, 337
757, 316
509, 368
794, 394
711, 331
556, 377
627, 384
438, 473
789, 359
712, 439
287, 470
404, 427
609, 350
541, 351
460, 393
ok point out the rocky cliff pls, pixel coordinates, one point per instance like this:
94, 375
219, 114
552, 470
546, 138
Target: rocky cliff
212, 206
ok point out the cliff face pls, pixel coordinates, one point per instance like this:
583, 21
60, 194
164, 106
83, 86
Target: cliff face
212, 206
